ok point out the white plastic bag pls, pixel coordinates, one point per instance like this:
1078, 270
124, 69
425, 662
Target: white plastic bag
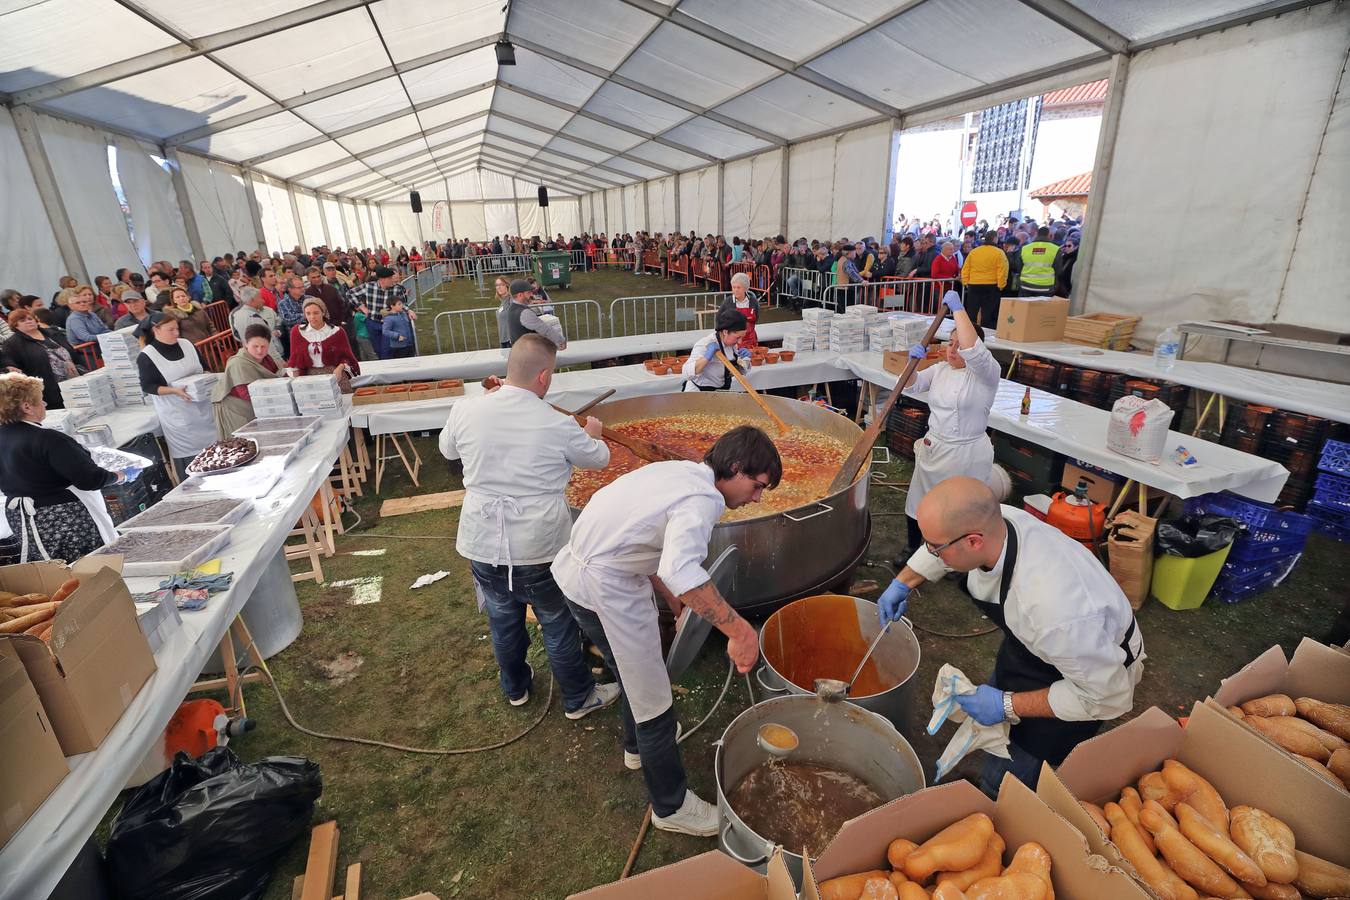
1138, 428
971, 736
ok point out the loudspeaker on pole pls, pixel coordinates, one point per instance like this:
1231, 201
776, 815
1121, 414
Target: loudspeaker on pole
543, 195
416, 199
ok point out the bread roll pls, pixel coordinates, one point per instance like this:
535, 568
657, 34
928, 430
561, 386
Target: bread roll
848, 887
1291, 738
899, 851
1320, 878
1098, 817
906, 889
1267, 840
1324, 737
1270, 705
1018, 886
1218, 846
989, 865
1237, 711
1196, 791
1131, 802
1157, 875
1339, 764
1320, 770
1033, 859
1154, 787
1272, 891
1334, 717
879, 888
941, 892
1186, 859
956, 847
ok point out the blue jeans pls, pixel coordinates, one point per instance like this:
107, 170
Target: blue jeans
506, 619
1024, 767
653, 740
375, 330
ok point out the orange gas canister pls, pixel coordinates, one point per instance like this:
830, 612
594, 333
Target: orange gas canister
1078, 517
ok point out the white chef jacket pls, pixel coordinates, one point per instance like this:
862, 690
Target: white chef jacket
518, 455
1065, 607
959, 399
714, 373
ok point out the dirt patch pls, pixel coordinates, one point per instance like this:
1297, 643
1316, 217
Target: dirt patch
341, 668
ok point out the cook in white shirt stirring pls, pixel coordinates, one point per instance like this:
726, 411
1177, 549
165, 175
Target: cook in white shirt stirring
1072, 652
648, 531
959, 391
518, 453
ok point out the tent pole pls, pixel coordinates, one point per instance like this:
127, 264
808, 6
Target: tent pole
254, 210
1101, 174
721, 192
180, 188
295, 214
48, 191
784, 176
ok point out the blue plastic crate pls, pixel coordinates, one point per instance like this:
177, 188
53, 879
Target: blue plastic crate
1242, 592
1258, 516
1262, 546
1335, 458
1274, 571
1329, 513
1332, 490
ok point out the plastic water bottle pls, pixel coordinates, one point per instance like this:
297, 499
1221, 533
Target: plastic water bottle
1166, 347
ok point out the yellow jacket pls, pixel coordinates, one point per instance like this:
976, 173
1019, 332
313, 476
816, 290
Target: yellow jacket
986, 264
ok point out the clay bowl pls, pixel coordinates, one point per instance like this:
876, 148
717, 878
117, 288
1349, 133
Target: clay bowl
670, 361
786, 355
661, 370
651, 364
682, 360
771, 359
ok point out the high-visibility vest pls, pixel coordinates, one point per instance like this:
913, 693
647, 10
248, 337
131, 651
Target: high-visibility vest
1038, 264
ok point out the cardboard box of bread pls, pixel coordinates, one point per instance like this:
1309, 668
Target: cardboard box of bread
1301, 704
31, 761
75, 631
952, 843
708, 876
1211, 810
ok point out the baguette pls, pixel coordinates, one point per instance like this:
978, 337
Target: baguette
956, 847
1186, 859
1218, 846
17, 626
1321, 770
1273, 891
1333, 717
1291, 739
1270, 705
1339, 764
1324, 737
847, 887
45, 634
908, 890
1098, 817
1131, 803
989, 865
1237, 711
1196, 791
1154, 787
1153, 872
15, 611
8, 597
1267, 840
1033, 859
1320, 878
68, 587
1017, 886
941, 892
899, 851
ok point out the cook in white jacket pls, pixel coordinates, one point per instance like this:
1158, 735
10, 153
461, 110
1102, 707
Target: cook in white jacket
518, 453
648, 531
1072, 652
703, 371
959, 392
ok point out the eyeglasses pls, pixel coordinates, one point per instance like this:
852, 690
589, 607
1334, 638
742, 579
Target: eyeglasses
938, 549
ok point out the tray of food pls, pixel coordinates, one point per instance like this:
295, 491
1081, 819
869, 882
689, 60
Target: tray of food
284, 452
279, 423
224, 456
265, 439
166, 551
169, 513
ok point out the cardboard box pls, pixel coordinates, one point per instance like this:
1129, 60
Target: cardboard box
1019, 816
1031, 319
1244, 769
31, 761
1129, 544
97, 658
708, 876
894, 361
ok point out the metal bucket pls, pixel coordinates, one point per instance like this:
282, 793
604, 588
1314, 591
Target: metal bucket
837, 735
825, 637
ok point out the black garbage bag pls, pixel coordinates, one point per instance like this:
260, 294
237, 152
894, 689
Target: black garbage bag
1192, 536
211, 828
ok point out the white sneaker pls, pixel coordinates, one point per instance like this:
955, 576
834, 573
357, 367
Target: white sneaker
634, 762
695, 816
525, 697
602, 695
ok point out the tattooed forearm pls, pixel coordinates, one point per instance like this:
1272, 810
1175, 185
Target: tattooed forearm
708, 603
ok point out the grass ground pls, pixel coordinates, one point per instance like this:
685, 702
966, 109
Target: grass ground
557, 812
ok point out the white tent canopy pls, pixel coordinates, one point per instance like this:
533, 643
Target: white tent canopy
751, 118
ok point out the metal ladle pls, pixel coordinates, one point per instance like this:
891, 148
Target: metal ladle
771, 736
832, 690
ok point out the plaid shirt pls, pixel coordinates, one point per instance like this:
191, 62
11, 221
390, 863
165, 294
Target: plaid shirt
376, 299
290, 310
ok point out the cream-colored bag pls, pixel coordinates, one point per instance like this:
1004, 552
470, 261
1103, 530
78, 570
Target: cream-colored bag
1138, 428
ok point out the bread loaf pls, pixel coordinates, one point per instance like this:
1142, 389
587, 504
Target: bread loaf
1018, 886
1154, 787
1098, 817
1324, 737
989, 865
1033, 859
1156, 874
1186, 859
1320, 878
956, 847
1196, 791
941, 892
908, 890
879, 888
1272, 891
1131, 802
1268, 841
1218, 846
899, 851
848, 887
1292, 739
1321, 770
1334, 717
1270, 705
1339, 764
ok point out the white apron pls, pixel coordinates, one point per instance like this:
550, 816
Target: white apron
626, 605
189, 425
937, 459
91, 500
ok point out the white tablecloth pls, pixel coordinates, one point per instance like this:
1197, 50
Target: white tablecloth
480, 363
129, 422
1304, 395
38, 855
1079, 432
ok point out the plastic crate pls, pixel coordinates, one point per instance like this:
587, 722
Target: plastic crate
1236, 573
1324, 514
1332, 490
1263, 546
1258, 516
1335, 458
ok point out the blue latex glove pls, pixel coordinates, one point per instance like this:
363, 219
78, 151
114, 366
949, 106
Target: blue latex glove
918, 351
131, 474
742, 353
984, 706
894, 602
711, 352
952, 300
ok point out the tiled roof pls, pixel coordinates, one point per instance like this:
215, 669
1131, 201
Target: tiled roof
1075, 186
1091, 92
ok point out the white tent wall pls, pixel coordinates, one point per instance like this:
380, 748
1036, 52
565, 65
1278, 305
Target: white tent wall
752, 195
708, 209
156, 217
614, 221
400, 223
287, 232
268, 215
470, 221
32, 262
350, 225
237, 218
564, 217
206, 207
332, 214
371, 223
531, 217
661, 205
837, 184
634, 209
311, 220
1225, 131
79, 156
500, 218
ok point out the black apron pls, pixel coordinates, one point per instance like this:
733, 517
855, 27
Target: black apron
726, 373
1018, 669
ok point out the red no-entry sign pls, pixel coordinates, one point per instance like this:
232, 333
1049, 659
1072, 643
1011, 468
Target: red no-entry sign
968, 213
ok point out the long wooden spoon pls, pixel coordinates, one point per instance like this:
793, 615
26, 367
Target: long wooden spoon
754, 394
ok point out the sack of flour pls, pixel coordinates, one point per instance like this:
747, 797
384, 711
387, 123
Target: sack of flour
1138, 428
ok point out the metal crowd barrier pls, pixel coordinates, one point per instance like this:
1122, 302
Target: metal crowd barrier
662, 312
802, 286
614, 259
476, 329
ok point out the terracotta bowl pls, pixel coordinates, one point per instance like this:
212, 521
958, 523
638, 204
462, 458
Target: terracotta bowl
670, 361
651, 364
771, 359
683, 360
787, 355
661, 370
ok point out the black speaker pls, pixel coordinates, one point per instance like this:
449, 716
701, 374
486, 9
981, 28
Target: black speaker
543, 195
416, 199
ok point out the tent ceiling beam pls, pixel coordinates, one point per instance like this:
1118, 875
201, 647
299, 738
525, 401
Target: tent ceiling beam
187, 48
1219, 23
624, 176
1070, 17
986, 90
391, 145
610, 151
543, 167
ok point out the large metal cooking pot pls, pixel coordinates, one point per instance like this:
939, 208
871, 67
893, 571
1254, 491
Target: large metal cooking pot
840, 736
783, 555
825, 637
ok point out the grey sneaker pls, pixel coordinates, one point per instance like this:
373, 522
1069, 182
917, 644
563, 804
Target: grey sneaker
525, 697
695, 816
602, 695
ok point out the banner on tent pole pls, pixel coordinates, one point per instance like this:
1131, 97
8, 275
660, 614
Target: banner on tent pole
437, 215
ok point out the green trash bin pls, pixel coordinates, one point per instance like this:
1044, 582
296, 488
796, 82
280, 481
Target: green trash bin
552, 270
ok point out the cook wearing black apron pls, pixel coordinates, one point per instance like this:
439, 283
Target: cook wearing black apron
703, 371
